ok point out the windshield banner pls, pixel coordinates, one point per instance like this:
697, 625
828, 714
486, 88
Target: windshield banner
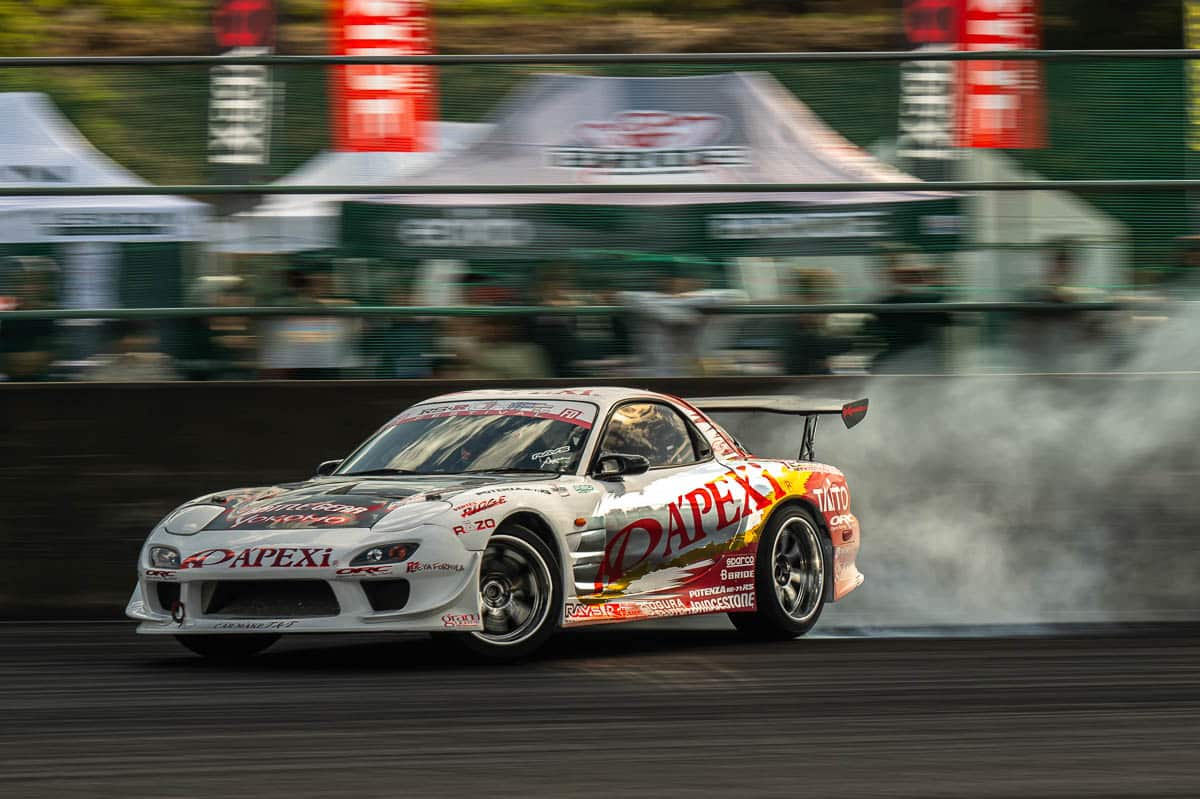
580, 414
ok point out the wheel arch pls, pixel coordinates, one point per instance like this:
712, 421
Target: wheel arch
536, 523
826, 539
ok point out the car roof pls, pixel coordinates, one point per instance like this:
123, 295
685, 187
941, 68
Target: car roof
604, 396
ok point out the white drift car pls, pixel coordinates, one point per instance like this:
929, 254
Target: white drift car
498, 516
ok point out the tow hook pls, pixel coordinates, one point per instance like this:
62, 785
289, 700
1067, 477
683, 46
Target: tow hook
178, 612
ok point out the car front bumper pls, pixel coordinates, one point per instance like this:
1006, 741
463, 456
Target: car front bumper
435, 589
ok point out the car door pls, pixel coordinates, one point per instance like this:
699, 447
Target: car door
654, 521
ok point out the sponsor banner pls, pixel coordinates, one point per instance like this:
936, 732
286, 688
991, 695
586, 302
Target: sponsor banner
800, 225
1191, 40
634, 142
467, 227
580, 414
240, 95
36, 173
925, 140
381, 107
1000, 103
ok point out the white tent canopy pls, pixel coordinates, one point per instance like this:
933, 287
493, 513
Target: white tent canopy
39, 147
298, 222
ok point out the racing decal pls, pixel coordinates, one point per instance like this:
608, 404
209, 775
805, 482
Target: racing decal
475, 526
160, 574
690, 546
516, 490
419, 566
260, 558
307, 511
253, 625
364, 571
471, 508
832, 497
724, 446
461, 620
580, 414
662, 539
728, 586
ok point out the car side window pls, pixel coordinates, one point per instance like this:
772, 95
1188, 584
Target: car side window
652, 430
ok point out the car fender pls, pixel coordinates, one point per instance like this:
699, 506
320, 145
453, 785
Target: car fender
476, 515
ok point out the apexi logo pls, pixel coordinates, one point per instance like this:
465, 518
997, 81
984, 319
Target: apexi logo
471, 508
635, 142
261, 558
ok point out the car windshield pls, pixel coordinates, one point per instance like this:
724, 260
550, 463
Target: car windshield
476, 436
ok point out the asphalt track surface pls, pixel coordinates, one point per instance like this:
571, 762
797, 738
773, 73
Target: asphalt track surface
651, 711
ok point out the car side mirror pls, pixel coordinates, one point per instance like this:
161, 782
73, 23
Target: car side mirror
328, 467
612, 465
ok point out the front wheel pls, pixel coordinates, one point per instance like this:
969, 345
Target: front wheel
226, 647
789, 578
520, 593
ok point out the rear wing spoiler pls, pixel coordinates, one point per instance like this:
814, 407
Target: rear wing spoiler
851, 411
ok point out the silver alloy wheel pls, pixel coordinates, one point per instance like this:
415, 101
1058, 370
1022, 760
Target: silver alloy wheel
514, 588
798, 569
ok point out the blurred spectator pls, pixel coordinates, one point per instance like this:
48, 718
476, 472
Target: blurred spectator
668, 323
222, 347
232, 339
29, 346
1061, 340
604, 341
135, 356
911, 343
556, 333
406, 342
811, 340
492, 347
310, 347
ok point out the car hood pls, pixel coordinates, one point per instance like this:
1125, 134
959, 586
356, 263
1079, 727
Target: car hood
330, 502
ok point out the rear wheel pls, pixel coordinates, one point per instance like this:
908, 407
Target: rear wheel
789, 578
226, 647
520, 596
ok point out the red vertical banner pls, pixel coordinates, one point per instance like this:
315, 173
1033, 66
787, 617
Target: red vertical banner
1001, 103
377, 107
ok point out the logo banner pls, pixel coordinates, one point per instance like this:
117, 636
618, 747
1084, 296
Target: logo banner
1191, 40
240, 95
925, 142
1001, 103
376, 107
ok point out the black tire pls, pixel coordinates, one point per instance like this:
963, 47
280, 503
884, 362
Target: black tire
803, 565
518, 570
226, 647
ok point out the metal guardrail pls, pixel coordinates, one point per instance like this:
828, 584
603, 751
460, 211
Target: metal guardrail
578, 310
611, 188
603, 58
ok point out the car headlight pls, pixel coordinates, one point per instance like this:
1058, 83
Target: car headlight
192, 519
164, 557
384, 553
